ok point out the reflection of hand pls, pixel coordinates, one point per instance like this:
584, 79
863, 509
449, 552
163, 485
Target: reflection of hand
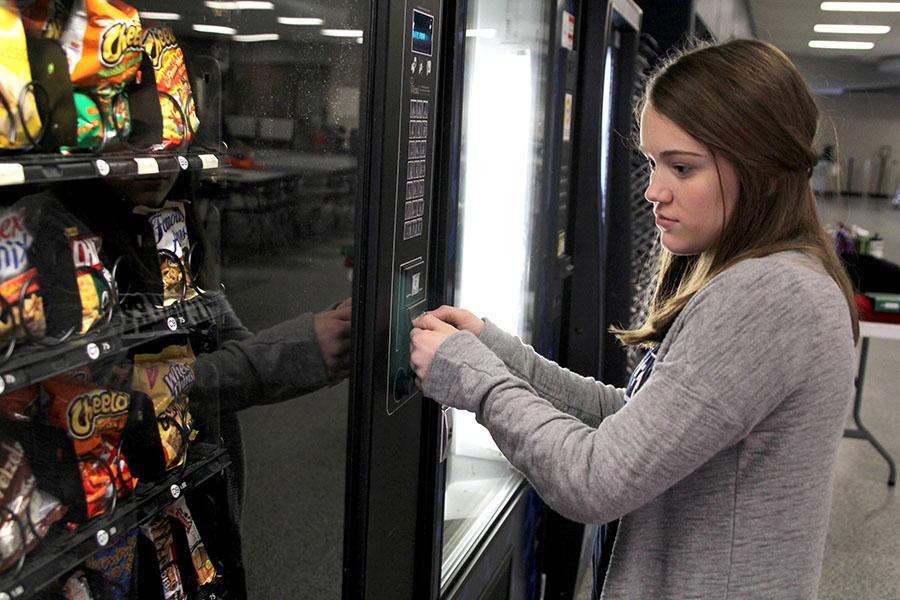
459, 318
333, 335
428, 333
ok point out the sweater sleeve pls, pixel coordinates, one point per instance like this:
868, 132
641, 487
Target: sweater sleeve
582, 397
276, 364
725, 364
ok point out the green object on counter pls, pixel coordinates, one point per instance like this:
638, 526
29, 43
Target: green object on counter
886, 303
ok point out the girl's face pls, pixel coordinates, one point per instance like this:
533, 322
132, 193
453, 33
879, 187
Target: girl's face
686, 189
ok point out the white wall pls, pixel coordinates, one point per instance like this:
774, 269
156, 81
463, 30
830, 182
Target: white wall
861, 123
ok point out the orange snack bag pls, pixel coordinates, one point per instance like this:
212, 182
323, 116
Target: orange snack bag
102, 40
172, 79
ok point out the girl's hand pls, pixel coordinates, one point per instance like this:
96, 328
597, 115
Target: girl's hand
428, 333
459, 318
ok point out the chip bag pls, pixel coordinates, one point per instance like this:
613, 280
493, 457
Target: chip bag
204, 570
16, 272
35, 511
173, 86
94, 418
94, 280
15, 74
170, 232
166, 378
159, 531
114, 566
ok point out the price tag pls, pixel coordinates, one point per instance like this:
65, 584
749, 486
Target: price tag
147, 166
11, 173
102, 167
209, 161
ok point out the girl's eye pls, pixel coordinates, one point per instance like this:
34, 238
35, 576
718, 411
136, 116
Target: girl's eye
681, 169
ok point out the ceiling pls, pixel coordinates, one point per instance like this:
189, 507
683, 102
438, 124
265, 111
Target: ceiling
789, 25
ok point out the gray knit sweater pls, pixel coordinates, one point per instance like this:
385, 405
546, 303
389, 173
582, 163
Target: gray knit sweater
720, 466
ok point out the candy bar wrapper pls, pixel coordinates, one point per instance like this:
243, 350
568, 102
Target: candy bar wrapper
94, 418
160, 533
203, 566
170, 232
166, 378
45, 18
172, 79
19, 494
15, 273
94, 280
15, 74
102, 41
116, 564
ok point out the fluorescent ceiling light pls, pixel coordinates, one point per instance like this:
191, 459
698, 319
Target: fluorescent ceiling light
347, 33
860, 29
300, 20
203, 28
255, 37
839, 45
239, 5
159, 16
487, 33
861, 6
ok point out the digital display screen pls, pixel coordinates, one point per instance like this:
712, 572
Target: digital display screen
422, 31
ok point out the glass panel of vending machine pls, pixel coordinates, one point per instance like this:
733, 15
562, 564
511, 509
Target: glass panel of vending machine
176, 245
504, 99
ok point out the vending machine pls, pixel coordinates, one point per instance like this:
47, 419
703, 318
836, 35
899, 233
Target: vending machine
218, 221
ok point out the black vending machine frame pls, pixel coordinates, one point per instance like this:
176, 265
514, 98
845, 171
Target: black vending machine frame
391, 535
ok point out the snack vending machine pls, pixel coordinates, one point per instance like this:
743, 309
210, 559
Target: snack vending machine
177, 242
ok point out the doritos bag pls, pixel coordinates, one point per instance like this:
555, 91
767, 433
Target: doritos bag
94, 280
175, 97
15, 74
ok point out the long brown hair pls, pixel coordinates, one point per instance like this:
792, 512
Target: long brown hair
747, 103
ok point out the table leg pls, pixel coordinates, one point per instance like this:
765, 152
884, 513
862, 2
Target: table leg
861, 432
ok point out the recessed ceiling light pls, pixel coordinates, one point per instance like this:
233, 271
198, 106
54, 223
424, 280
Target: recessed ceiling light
239, 5
159, 16
860, 29
347, 33
300, 20
203, 28
255, 37
841, 45
861, 6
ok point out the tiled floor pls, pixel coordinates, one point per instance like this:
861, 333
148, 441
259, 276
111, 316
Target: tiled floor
862, 556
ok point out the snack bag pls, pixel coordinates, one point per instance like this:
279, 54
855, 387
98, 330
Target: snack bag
15, 74
170, 233
203, 566
172, 79
166, 378
102, 40
94, 280
15, 273
45, 18
36, 511
109, 118
115, 564
94, 418
160, 533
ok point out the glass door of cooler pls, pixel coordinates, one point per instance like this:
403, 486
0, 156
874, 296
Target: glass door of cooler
178, 235
501, 211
